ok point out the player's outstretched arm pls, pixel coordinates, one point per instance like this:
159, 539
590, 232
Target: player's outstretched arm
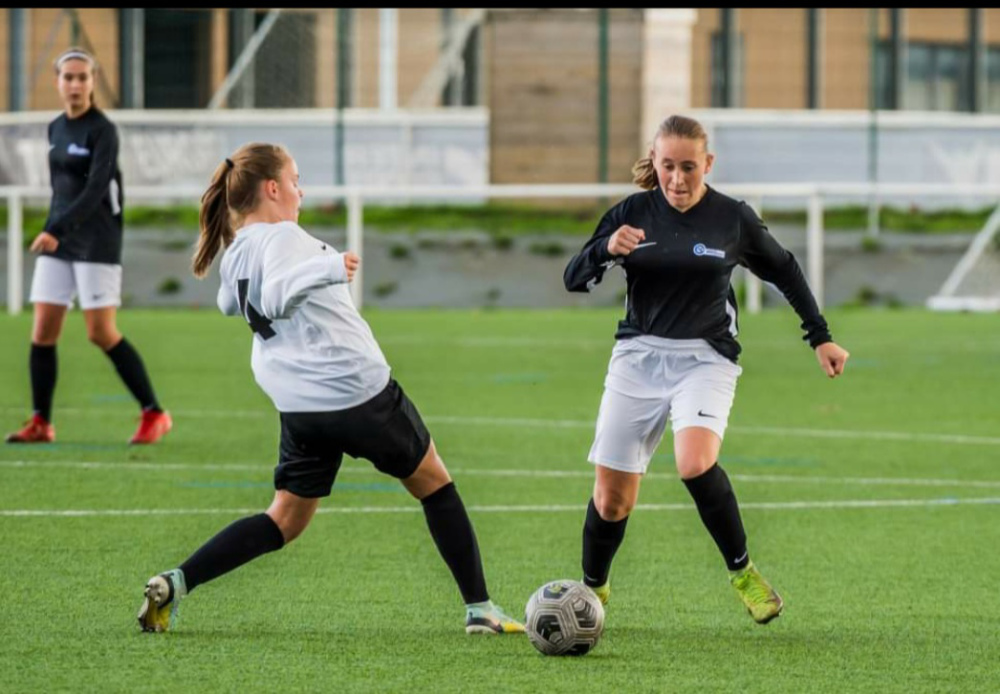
287, 284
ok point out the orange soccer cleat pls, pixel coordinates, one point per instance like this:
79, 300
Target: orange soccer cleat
153, 427
35, 430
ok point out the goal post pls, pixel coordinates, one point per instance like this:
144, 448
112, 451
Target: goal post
974, 283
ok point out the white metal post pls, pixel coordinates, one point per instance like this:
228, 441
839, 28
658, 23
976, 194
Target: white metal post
15, 243
355, 242
388, 57
814, 245
751, 282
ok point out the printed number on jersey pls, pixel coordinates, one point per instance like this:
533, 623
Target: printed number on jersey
258, 323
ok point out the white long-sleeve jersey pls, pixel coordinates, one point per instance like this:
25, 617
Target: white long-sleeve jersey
312, 350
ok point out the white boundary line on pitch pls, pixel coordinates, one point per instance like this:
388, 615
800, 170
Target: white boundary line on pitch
904, 436
767, 506
515, 473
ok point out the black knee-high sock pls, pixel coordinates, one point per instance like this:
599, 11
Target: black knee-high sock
133, 372
456, 540
43, 366
601, 539
234, 546
716, 502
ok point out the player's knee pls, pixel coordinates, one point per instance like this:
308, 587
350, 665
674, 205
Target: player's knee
612, 506
694, 464
103, 338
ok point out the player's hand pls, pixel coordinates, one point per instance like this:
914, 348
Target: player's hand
44, 243
624, 241
832, 358
351, 263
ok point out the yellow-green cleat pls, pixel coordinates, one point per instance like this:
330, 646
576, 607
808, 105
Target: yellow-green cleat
162, 596
761, 600
603, 592
487, 618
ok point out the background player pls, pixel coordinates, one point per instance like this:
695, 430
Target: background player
80, 253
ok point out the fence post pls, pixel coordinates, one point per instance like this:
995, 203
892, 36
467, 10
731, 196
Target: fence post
15, 244
814, 245
355, 242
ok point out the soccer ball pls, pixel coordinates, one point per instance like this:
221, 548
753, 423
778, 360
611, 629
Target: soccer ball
564, 618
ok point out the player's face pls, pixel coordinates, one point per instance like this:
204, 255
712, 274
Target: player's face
75, 84
289, 197
681, 164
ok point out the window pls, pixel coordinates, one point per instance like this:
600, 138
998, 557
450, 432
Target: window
935, 77
176, 68
717, 76
285, 65
992, 100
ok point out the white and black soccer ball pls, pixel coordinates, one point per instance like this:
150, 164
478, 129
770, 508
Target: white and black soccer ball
564, 618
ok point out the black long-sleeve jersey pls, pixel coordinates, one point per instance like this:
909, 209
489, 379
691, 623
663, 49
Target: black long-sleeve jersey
678, 278
86, 209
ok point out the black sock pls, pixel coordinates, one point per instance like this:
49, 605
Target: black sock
456, 540
716, 502
601, 539
132, 371
43, 366
234, 546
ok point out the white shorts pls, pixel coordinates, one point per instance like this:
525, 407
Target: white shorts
58, 281
650, 379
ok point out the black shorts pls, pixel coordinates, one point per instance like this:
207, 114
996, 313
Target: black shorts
387, 430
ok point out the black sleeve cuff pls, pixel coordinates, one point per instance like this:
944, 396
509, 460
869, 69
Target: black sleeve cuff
817, 337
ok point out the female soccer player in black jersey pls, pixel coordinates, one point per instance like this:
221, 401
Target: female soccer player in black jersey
316, 358
676, 349
80, 253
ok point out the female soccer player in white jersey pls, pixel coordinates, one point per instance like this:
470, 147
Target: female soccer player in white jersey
80, 253
317, 359
675, 358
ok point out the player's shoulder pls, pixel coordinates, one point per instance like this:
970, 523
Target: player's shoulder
636, 202
99, 124
716, 198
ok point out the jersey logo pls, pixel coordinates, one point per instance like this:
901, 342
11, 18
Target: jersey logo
77, 150
702, 249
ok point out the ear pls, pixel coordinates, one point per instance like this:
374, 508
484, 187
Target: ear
709, 160
271, 188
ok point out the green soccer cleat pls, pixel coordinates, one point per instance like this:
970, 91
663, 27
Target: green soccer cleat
163, 595
487, 618
761, 600
603, 592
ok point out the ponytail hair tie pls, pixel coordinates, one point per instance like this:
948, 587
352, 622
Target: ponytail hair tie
229, 163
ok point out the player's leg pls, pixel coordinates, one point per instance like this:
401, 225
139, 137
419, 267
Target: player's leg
388, 431
52, 291
453, 534
100, 296
630, 424
307, 468
234, 546
615, 495
700, 415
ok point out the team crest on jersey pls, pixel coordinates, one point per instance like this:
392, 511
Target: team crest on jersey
77, 150
702, 249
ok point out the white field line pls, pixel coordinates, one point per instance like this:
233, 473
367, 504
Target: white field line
415, 508
586, 472
960, 439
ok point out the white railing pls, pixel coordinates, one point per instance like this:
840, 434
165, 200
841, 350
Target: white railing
355, 198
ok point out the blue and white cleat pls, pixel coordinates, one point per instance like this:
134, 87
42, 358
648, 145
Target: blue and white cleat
487, 618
